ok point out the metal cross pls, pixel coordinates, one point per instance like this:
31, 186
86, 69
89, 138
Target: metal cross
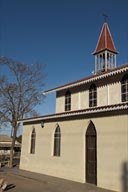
105, 17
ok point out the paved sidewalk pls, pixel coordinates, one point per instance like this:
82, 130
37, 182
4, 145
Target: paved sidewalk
24, 181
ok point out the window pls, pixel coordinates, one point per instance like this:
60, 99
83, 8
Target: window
68, 101
92, 96
124, 88
33, 141
57, 141
91, 154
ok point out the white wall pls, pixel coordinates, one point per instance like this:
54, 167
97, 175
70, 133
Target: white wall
107, 94
112, 145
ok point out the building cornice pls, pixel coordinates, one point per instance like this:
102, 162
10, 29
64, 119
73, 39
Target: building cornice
91, 110
90, 79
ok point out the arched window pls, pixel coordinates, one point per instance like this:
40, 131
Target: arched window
33, 141
68, 101
57, 141
92, 96
124, 88
91, 154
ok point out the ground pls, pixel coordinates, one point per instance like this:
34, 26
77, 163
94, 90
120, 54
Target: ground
24, 181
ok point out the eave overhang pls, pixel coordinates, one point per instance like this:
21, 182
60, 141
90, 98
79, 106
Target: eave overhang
90, 79
91, 110
105, 49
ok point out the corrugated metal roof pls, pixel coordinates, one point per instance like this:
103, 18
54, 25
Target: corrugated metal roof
5, 138
5, 141
9, 145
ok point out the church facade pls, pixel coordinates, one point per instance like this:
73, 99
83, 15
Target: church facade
86, 140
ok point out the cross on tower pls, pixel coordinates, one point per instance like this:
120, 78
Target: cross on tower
105, 17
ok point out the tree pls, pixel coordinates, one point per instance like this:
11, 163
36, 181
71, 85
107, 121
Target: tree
20, 93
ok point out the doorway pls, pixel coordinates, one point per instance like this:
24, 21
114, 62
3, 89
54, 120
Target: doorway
91, 154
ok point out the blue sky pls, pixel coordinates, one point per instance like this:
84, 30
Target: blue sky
61, 34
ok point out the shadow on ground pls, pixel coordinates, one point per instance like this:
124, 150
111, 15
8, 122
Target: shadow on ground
10, 186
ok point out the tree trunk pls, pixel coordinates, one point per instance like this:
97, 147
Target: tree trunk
12, 146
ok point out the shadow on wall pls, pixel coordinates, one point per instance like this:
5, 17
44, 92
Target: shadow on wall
125, 177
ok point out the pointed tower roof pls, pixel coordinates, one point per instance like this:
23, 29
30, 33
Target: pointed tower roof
105, 41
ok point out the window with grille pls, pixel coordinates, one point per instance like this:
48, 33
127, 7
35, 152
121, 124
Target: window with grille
92, 96
33, 141
57, 141
68, 101
124, 88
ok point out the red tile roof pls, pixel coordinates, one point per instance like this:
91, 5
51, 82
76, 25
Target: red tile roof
105, 40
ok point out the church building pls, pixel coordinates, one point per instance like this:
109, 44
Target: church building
86, 140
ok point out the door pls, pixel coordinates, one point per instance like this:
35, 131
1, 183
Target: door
91, 154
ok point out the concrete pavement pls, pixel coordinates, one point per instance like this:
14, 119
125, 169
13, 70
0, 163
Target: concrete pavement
24, 181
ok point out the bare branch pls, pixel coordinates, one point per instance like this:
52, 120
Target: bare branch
20, 93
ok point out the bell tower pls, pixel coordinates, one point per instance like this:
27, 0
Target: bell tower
105, 52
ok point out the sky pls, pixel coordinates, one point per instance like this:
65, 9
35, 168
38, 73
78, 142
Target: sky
62, 34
